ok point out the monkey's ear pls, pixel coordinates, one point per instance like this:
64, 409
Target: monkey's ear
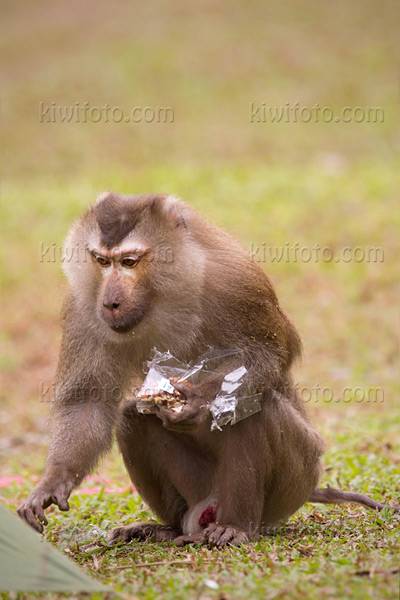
178, 219
168, 207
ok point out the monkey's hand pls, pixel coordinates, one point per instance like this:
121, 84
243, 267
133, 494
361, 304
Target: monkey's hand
32, 510
194, 412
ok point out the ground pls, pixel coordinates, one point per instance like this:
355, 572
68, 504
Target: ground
284, 189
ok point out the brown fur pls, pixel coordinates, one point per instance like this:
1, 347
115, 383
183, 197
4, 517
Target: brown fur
258, 471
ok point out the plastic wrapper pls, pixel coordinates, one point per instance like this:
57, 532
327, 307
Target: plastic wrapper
231, 403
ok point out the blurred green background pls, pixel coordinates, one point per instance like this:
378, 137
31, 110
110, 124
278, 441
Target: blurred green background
334, 184
208, 61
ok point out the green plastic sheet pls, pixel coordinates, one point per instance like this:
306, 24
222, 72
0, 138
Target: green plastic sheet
30, 564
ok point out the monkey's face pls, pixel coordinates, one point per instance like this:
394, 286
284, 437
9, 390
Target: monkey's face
123, 298
142, 273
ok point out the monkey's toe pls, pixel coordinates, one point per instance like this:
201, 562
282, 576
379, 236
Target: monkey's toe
137, 531
220, 536
120, 534
184, 540
142, 532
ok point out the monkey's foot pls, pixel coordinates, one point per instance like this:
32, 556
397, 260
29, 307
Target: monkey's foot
143, 532
215, 535
194, 538
220, 536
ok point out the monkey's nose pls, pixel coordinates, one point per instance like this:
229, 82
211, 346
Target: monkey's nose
111, 305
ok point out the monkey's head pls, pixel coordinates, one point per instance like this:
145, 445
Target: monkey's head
125, 260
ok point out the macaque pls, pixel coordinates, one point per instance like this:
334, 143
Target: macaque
153, 273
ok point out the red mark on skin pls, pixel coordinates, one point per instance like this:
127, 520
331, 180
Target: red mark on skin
209, 515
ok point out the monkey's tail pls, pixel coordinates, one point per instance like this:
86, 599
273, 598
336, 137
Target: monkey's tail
332, 496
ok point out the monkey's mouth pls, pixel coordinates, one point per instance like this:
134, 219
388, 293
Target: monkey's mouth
121, 320
121, 328
122, 325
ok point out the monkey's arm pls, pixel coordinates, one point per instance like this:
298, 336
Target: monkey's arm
80, 434
82, 416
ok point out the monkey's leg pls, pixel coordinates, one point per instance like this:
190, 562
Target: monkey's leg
80, 434
293, 452
167, 468
332, 496
240, 480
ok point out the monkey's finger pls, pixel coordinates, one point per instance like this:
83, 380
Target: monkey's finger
222, 536
39, 513
120, 534
210, 528
137, 531
226, 537
114, 537
240, 538
183, 421
183, 388
163, 413
214, 537
183, 540
60, 498
29, 517
63, 504
43, 519
165, 534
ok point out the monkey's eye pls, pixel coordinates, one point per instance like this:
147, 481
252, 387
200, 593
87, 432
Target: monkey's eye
104, 262
129, 262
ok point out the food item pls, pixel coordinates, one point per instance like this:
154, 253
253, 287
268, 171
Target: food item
231, 403
162, 393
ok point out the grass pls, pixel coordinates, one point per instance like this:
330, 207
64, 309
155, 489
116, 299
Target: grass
273, 185
306, 558
346, 313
